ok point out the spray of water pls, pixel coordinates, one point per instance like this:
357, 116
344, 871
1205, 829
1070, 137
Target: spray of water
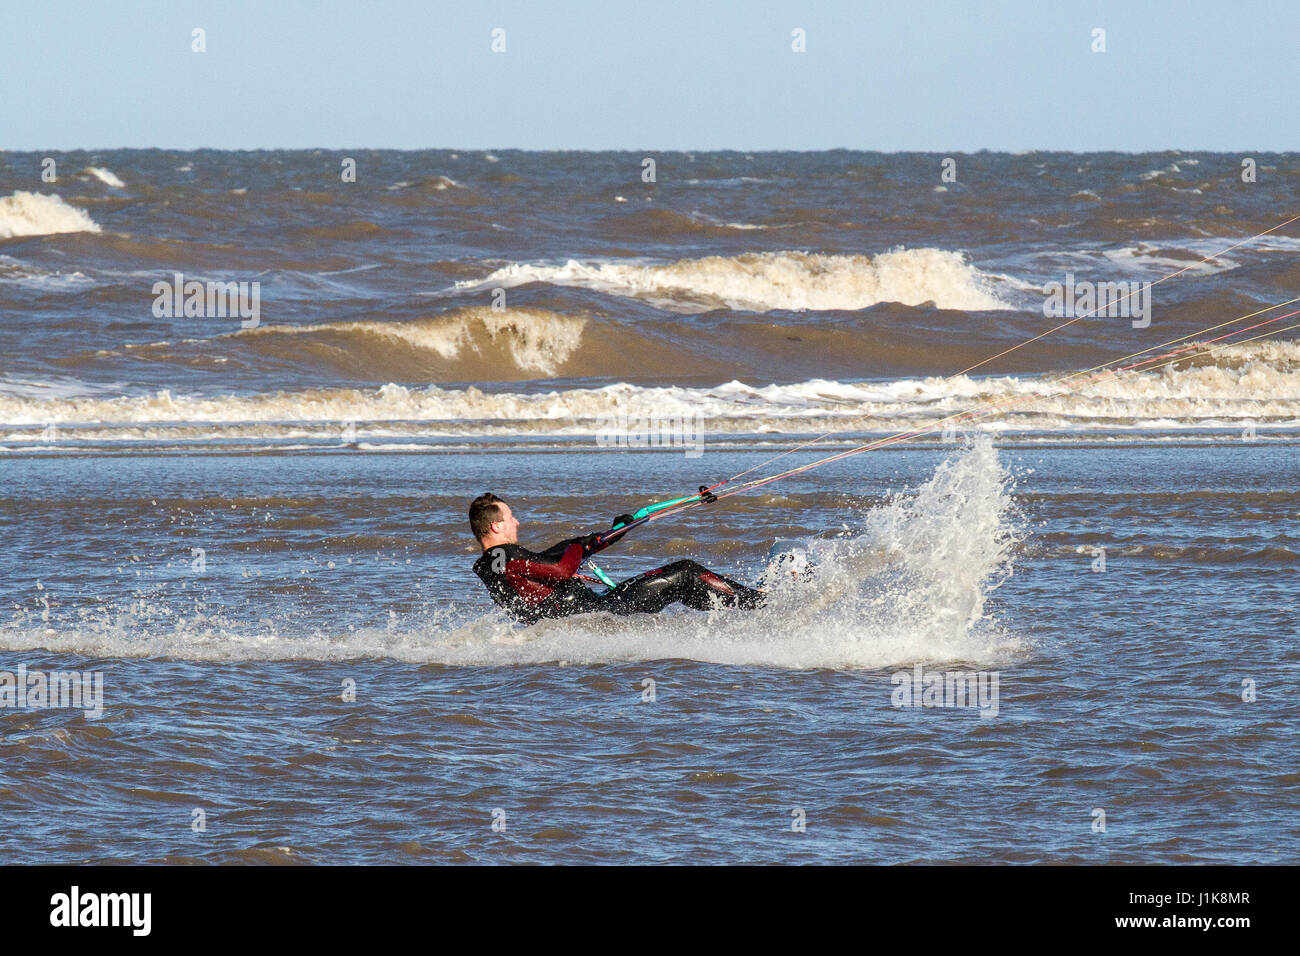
907, 580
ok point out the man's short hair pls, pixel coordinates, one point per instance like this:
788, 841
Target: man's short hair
484, 510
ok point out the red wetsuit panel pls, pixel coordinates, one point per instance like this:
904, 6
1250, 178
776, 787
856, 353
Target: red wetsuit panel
534, 580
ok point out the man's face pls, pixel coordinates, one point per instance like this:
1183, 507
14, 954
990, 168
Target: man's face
507, 526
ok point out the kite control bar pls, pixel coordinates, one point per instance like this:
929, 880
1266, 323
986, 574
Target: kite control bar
625, 522
704, 496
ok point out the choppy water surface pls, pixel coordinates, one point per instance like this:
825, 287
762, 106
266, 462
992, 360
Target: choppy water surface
1118, 689
450, 295
256, 537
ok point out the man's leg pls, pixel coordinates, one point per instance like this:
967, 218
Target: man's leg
686, 581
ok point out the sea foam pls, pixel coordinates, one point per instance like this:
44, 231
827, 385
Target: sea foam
38, 214
763, 282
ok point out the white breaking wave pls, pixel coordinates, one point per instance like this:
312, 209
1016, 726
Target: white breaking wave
106, 176
1256, 382
1155, 261
38, 214
907, 583
762, 282
708, 220
535, 340
1157, 173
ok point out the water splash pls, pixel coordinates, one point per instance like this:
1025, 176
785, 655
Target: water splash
907, 581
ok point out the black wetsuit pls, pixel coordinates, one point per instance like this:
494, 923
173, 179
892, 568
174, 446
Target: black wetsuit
533, 585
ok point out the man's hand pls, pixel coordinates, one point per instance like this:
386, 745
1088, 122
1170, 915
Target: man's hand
591, 543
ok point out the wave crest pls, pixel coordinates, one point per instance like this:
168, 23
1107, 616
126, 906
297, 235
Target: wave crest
38, 214
767, 281
1252, 383
533, 340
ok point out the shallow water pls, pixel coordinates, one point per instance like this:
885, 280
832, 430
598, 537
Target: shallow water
1118, 690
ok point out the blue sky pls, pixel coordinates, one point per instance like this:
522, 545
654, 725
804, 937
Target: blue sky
614, 74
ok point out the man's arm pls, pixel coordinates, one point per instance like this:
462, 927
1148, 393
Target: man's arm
592, 543
545, 566
556, 551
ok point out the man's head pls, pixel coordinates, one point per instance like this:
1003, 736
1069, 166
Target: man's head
491, 521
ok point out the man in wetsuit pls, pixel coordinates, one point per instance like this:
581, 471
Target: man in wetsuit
533, 585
